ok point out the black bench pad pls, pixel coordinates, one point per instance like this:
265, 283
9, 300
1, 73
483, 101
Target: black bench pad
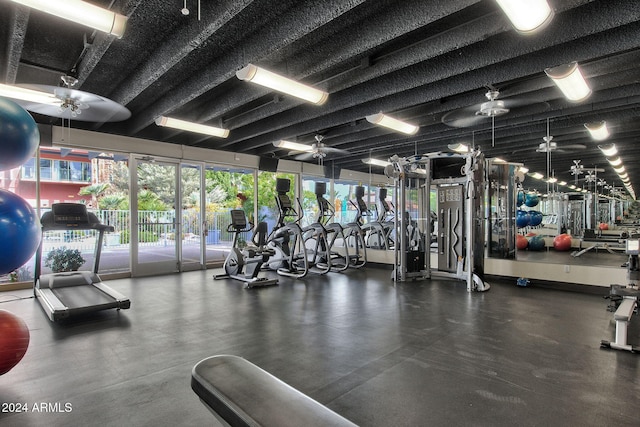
243, 394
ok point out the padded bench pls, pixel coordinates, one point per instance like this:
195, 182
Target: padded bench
622, 316
242, 394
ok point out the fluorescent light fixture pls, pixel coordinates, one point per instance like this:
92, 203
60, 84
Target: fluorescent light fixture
289, 145
537, 175
619, 169
191, 127
608, 150
499, 161
29, 95
573, 187
570, 81
598, 130
552, 180
391, 123
83, 13
563, 183
615, 161
527, 15
523, 169
255, 74
376, 162
458, 147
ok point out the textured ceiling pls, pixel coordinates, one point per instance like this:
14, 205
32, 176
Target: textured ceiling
415, 59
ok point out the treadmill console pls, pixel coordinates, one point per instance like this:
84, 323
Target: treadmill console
70, 214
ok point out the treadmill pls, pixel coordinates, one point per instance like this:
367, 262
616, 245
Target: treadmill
70, 293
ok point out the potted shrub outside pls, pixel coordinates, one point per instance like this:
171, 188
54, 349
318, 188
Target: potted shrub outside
64, 259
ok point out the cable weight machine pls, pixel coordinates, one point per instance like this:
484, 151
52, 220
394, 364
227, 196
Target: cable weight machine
459, 180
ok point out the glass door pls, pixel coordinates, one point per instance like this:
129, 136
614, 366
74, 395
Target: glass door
155, 230
194, 227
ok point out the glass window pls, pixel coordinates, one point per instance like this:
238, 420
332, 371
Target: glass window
267, 206
29, 169
46, 170
309, 202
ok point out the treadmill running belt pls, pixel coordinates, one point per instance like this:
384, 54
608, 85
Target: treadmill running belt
75, 297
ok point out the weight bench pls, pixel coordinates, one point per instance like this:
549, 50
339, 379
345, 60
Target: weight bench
241, 394
598, 241
622, 316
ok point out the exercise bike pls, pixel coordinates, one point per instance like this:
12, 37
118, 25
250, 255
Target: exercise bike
244, 264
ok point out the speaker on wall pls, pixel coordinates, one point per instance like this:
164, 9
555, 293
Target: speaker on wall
268, 164
332, 172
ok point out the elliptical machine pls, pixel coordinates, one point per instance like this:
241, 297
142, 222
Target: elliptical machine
286, 237
250, 258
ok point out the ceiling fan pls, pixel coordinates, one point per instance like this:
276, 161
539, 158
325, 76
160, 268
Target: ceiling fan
492, 108
75, 104
549, 146
318, 150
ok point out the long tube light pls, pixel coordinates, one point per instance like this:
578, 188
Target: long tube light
537, 175
609, 150
598, 131
192, 127
619, 170
391, 123
82, 13
570, 81
289, 145
527, 16
617, 161
458, 147
376, 162
28, 95
255, 74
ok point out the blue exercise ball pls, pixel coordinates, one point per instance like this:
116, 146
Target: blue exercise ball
535, 218
19, 135
520, 199
522, 218
531, 200
536, 243
20, 231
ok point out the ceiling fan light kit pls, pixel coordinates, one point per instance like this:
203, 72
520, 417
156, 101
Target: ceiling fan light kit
82, 13
570, 81
192, 127
598, 131
258, 75
527, 16
392, 123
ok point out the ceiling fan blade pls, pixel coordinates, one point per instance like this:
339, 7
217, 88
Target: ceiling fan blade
334, 150
304, 156
95, 108
464, 117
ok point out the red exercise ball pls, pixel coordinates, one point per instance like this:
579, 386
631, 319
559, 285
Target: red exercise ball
14, 340
562, 242
521, 242
603, 226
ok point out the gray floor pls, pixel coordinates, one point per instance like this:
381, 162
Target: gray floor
411, 354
